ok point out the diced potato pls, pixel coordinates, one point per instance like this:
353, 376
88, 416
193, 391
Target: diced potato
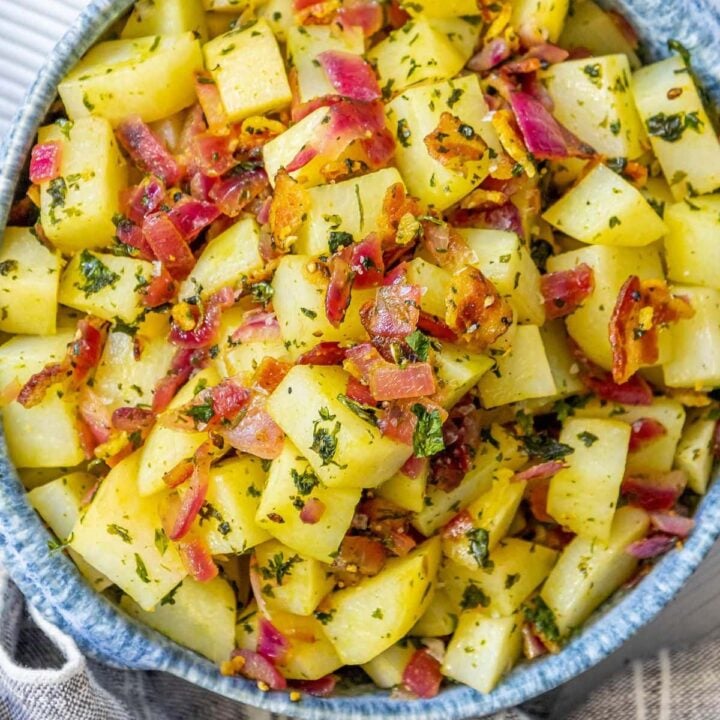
104, 285
655, 455
584, 495
523, 373
165, 447
415, 53
352, 206
321, 540
517, 567
58, 503
218, 23
563, 365
299, 303
304, 44
695, 451
32, 478
369, 617
121, 535
457, 371
435, 282
501, 451
279, 15
696, 342
243, 359
122, 379
249, 71
611, 268
415, 114
440, 618
227, 518
228, 259
592, 98
504, 260
291, 582
588, 26
152, 77
198, 615
483, 649
77, 208
567, 171
657, 192
344, 449
226, 6
45, 435
405, 491
437, 9
491, 515
29, 276
588, 571
605, 209
461, 30
681, 134
539, 20
166, 17
692, 245
386, 670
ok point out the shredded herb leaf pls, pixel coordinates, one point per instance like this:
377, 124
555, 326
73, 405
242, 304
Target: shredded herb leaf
427, 436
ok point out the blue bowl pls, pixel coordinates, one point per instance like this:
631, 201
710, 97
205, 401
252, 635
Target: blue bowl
53, 585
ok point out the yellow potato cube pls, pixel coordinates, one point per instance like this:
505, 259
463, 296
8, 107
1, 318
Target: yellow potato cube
681, 134
563, 365
198, 615
152, 77
278, 14
249, 71
77, 208
291, 582
695, 450
592, 98
405, 491
366, 619
457, 372
29, 276
437, 9
344, 449
583, 496
386, 670
352, 206
539, 20
166, 17
692, 247
521, 374
435, 283
611, 268
121, 535
605, 209
107, 286
588, 571
440, 618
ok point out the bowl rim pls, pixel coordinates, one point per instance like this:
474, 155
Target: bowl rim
55, 588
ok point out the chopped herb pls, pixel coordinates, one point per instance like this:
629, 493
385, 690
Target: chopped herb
544, 447
252, 491
140, 569
540, 251
169, 599
278, 567
161, 541
324, 617
671, 127
511, 579
403, 132
542, 617
594, 72
201, 413
473, 597
97, 275
478, 539
427, 436
7, 267
57, 190
378, 614
121, 532
120, 326
325, 441
306, 482
365, 412
614, 221
262, 292
308, 313
420, 344
455, 95
338, 239
615, 127
588, 439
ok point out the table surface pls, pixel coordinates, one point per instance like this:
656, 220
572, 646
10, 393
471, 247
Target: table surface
28, 30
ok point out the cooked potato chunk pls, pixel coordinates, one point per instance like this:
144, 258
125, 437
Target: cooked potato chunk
695, 450
386, 670
406, 491
457, 371
166, 17
538, 20
440, 618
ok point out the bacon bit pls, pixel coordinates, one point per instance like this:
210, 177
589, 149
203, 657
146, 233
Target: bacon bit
510, 138
491, 55
672, 524
257, 325
147, 151
211, 102
461, 436
168, 245
536, 493
257, 433
359, 393
201, 185
315, 12
435, 328
338, 295
270, 373
542, 471
194, 125
132, 419
421, 675
271, 643
635, 391
533, 646
160, 290
207, 323
45, 161
312, 511
85, 438
183, 363
350, 75
290, 205
565, 291
397, 204
233, 194
536, 58
96, 415
658, 491
33, 391
366, 14
140, 200
644, 431
323, 687
197, 559
367, 262
390, 382
259, 668
394, 313
192, 216
446, 246
453, 143
458, 526
651, 547
213, 155
475, 311
414, 467
359, 555
324, 353
257, 130
642, 308
503, 217
361, 359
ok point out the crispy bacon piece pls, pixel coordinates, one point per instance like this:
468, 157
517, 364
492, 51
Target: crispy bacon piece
211, 407
461, 436
33, 391
457, 526
672, 523
436, 328
657, 491
192, 216
490, 55
338, 295
394, 313
196, 558
213, 155
446, 246
644, 431
312, 511
542, 471
565, 291
350, 75
290, 205
635, 391
651, 546
501, 217
45, 161
233, 194
132, 419
271, 643
269, 374
454, 143
256, 432
398, 421
96, 415
360, 555
257, 325
183, 363
141, 199
421, 675
359, 393
366, 14
211, 102
367, 262
475, 311
207, 323
160, 290
397, 205
147, 151
256, 130
536, 493
643, 307
324, 353
168, 244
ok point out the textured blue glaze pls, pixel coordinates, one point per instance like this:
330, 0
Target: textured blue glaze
54, 586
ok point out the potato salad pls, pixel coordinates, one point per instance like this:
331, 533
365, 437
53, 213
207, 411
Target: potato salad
366, 340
